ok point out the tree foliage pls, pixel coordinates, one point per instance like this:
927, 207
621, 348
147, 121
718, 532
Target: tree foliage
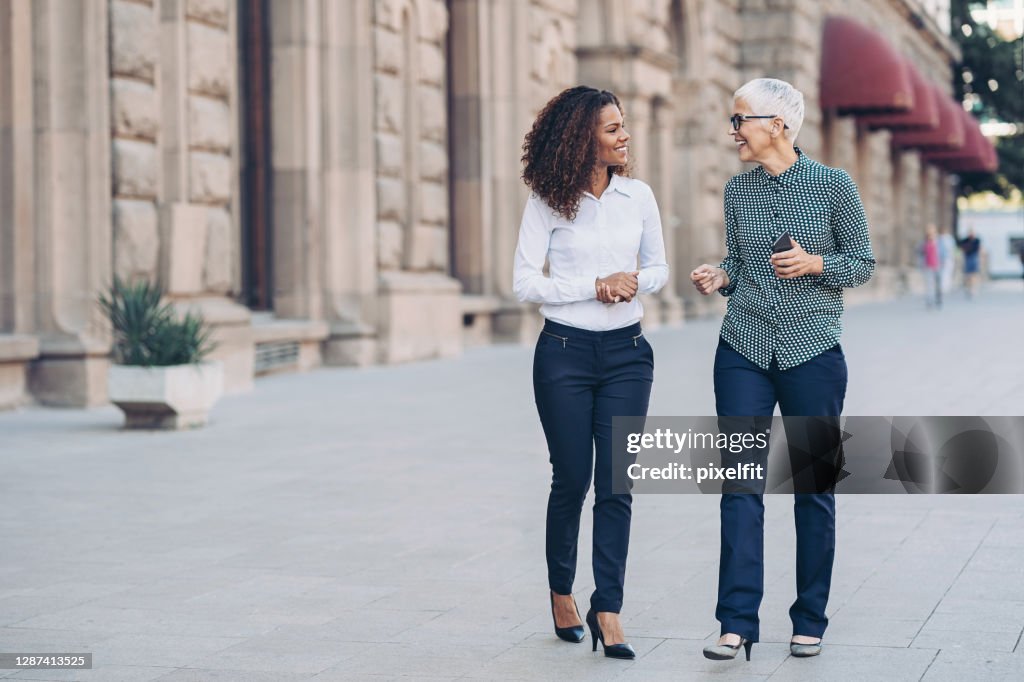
991, 76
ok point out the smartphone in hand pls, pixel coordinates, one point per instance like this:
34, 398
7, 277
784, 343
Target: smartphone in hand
783, 243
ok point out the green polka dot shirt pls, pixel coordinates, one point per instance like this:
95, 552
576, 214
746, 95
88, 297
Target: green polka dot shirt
791, 320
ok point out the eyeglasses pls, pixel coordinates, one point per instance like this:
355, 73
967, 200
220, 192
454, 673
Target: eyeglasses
738, 119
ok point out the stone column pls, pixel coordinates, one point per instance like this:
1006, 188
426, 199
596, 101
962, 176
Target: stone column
468, 59
71, 208
197, 202
899, 256
297, 147
420, 308
705, 42
661, 162
530, 47
350, 207
625, 48
134, 125
513, 89
17, 169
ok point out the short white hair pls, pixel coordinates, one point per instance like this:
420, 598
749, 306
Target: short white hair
771, 96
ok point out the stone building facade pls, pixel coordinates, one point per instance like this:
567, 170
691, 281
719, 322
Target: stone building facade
337, 181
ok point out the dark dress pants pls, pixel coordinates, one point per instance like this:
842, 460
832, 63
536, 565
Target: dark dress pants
814, 388
581, 379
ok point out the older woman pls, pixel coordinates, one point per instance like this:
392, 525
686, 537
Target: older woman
780, 341
600, 233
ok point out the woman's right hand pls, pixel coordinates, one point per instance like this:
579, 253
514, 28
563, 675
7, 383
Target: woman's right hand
708, 279
620, 287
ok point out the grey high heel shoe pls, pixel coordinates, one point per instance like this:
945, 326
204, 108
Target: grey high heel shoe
727, 652
805, 650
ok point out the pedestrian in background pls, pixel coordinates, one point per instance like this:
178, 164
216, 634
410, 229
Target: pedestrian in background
780, 342
947, 257
971, 247
930, 256
600, 233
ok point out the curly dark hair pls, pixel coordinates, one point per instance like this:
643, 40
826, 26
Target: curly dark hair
560, 151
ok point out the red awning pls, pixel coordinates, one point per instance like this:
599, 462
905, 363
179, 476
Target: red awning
977, 154
924, 115
949, 135
860, 70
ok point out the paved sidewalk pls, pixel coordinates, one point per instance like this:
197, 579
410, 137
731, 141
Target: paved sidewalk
387, 523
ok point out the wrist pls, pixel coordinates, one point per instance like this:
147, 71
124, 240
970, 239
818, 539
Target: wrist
819, 265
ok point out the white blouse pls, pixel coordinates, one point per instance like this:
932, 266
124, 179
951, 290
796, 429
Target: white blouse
611, 234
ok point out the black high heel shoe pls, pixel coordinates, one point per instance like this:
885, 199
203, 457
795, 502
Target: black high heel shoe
610, 650
727, 652
572, 633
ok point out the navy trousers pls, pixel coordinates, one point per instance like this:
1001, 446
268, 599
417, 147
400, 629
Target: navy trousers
815, 388
581, 379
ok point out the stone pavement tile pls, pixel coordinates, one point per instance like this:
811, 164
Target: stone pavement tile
671, 621
90, 617
1006, 533
171, 592
221, 675
639, 674
315, 606
172, 651
872, 631
363, 625
80, 590
454, 659
556, 664
979, 584
966, 640
43, 575
334, 563
16, 609
549, 642
332, 675
421, 595
901, 605
1008, 560
271, 653
104, 673
501, 566
15, 640
950, 666
979, 618
838, 662
998, 608
921, 574
539, 624
687, 656
496, 614
443, 633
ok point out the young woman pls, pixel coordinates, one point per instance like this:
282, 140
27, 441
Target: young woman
600, 233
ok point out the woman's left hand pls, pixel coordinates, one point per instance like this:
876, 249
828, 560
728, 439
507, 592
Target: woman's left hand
796, 263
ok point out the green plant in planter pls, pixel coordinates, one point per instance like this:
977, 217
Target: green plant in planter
147, 332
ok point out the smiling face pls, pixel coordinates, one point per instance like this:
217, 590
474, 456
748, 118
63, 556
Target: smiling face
754, 137
612, 138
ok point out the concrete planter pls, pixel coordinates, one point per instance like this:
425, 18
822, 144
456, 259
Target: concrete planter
177, 397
